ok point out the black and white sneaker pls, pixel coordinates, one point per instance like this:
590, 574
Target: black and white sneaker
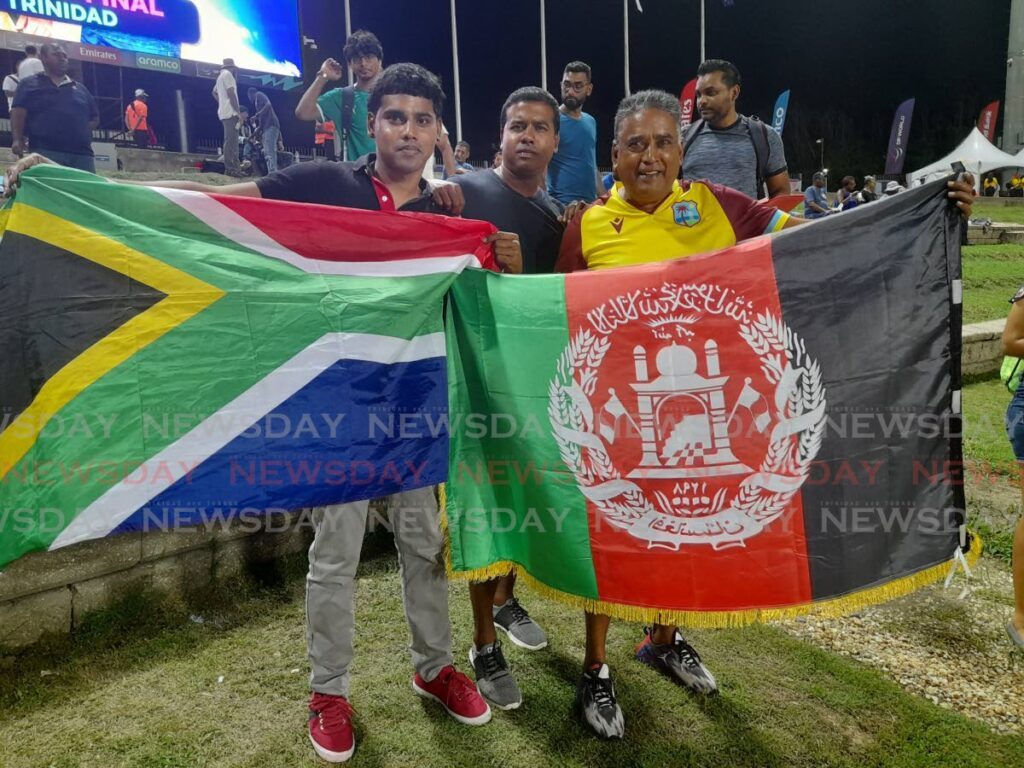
493, 679
595, 703
677, 660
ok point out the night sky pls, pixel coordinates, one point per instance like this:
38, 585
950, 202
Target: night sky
848, 64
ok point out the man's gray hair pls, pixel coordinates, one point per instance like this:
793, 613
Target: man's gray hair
651, 99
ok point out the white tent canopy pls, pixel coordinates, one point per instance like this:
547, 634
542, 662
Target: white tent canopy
978, 155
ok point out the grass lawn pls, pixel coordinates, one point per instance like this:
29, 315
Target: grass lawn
151, 698
997, 210
992, 274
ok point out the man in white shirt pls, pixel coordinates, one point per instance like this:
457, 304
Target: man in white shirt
226, 93
11, 87
31, 64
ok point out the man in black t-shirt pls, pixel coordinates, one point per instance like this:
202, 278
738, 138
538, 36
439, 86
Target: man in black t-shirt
404, 118
512, 198
55, 113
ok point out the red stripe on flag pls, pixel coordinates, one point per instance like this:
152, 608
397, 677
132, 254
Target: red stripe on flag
317, 232
677, 364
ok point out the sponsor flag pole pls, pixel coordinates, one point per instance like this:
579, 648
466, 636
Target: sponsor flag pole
899, 137
987, 121
348, 34
687, 100
779, 113
455, 68
543, 47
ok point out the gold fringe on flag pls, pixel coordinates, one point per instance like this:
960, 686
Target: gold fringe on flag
831, 607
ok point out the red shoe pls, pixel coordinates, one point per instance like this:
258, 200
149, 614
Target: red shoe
330, 727
456, 693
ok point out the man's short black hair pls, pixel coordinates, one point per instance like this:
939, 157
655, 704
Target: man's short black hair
579, 66
529, 93
362, 43
31, 50
730, 75
407, 80
650, 99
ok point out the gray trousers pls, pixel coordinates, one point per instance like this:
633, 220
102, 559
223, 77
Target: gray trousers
330, 587
231, 144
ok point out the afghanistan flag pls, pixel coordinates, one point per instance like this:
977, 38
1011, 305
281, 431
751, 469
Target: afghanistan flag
742, 435
173, 358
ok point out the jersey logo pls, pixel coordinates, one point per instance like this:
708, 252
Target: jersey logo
617, 224
686, 213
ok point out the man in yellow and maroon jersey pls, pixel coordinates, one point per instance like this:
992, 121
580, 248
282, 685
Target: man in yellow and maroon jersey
651, 216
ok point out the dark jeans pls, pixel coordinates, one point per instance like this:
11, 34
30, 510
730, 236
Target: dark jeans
141, 139
69, 159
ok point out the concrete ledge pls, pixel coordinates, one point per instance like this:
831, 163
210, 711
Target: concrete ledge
982, 347
137, 160
52, 592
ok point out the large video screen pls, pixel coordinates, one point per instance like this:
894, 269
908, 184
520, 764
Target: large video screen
259, 36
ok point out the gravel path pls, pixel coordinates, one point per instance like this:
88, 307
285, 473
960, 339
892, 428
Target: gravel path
953, 652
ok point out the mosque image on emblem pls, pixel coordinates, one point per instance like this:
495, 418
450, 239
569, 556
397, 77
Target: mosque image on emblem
684, 425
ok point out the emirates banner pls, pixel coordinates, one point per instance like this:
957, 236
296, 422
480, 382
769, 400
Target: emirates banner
724, 438
687, 102
987, 121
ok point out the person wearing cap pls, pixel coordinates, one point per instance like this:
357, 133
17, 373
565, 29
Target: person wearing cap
816, 198
225, 92
136, 118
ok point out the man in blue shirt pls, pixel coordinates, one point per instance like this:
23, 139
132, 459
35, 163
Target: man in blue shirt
573, 174
816, 198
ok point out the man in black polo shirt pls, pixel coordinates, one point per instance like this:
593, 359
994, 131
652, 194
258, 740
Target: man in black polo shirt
404, 118
56, 114
512, 198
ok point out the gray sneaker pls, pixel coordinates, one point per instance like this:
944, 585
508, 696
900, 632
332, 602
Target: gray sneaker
493, 679
517, 624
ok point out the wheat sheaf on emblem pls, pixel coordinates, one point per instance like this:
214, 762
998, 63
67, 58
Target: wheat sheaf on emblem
798, 414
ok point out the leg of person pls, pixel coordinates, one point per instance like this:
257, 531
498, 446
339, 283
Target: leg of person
415, 520
512, 618
270, 147
1015, 431
69, 159
595, 704
330, 625
1016, 626
231, 146
665, 649
493, 677
142, 139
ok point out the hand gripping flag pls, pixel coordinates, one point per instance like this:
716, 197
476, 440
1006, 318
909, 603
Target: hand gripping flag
173, 358
797, 399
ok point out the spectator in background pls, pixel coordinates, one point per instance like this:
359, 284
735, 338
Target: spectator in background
846, 196
11, 87
729, 148
346, 107
462, 156
245, 138
136, 118
1016, 185
267, 125
816, 198
30, 65
324, 138
225, 92
991, 185
868, 194
55, 114
573, 174
497, 160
